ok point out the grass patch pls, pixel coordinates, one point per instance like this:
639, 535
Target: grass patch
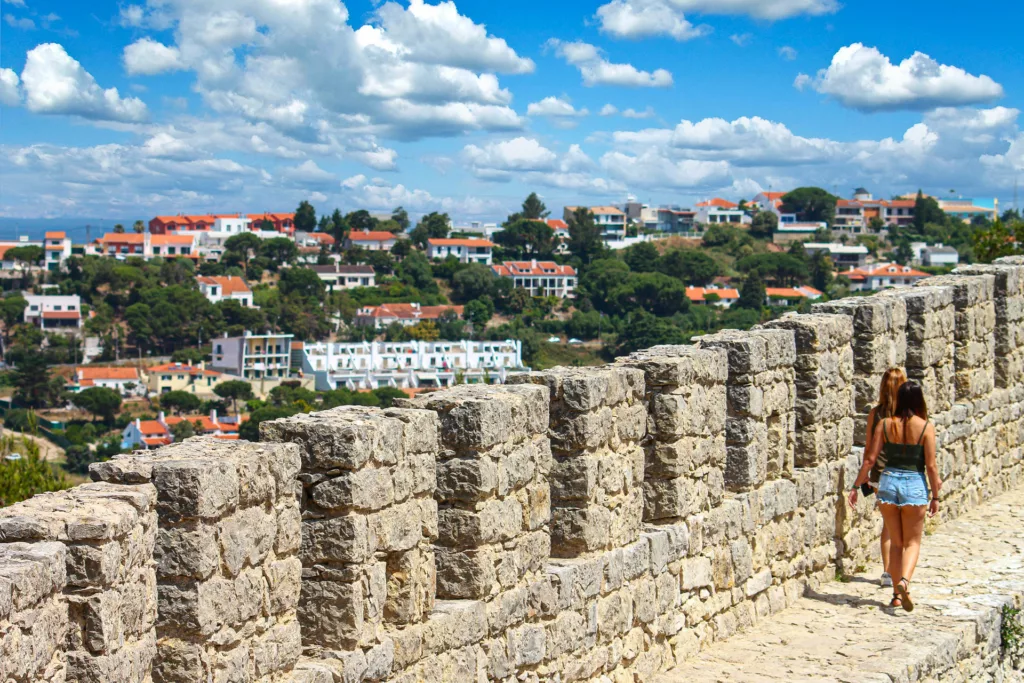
1012, 630
551, 355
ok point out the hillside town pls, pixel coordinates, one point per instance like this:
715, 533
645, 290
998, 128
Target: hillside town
210, 324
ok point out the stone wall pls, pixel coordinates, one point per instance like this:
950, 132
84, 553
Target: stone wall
579, 523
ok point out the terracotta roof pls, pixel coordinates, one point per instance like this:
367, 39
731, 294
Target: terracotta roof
55, 236
169, 219
107, 373
123, 238
513, 268
322, 237
459, 243
371, 236
61, 315
271, 216
229, 284
86, 383
162, 240
784, 293
226, 437
697, 294
901, 203
151, 428
884, 269
719, 203
557, 224
408, 311
772, 196
157, 441
178, 367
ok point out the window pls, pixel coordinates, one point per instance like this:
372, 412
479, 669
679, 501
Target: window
56, 308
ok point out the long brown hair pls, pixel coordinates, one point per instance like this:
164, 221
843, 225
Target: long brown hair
888, 389
910, 402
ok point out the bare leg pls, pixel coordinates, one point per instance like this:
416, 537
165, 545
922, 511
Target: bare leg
886, 546
912, 520
894, 527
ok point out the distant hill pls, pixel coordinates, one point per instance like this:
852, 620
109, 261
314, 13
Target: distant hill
76, 227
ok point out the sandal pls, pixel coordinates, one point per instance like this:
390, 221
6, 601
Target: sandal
903, 589
895, 602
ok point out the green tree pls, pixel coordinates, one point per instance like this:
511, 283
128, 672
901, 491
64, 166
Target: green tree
926, 210
183, 430
78, 458
643, 330
764, 224
279, 251
242, 247
752, 292
301, 282
25, 477
432, 226
534, 209
138, 227
600, 278
876, 224
234, 390
811, 204
642, 258
822, 271
12, 312
33, 385
30, 254
479, 312
904, 253
180, 402
653, 292
402, 248
691, 266
525, 236
401, 217
118, 228
305, 217
250, 429
414, 270
585, 241
339, 229
101, 402
994, 242
472, 282
783, 269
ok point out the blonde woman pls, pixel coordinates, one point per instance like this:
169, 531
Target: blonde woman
891, 382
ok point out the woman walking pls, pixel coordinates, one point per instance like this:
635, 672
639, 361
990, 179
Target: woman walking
907, 442
891, 382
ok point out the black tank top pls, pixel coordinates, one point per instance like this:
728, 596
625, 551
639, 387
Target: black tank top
904, 456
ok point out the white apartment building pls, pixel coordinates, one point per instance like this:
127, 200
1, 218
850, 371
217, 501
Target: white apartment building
54, 313
465, 250
716, 215
253, 356
337, 276
842, 256
58, 250
610, 219
410, 365
539, 278
224, 287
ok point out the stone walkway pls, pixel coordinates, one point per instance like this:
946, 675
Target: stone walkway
969, 568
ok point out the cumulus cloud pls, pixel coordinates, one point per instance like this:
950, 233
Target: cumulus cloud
631, 113
16, 3
527, 160
788, 53
861, 77
147, 57
307, 173
24, 23
760, 9
554, 107
741, 39
56, 83
633, 19
609, 110
596, 70
10, 88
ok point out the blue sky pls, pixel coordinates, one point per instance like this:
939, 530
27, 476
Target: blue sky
465, 107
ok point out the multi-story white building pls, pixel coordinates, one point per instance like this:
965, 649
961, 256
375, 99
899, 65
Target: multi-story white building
539, 278
338, 276
58, 250
465, 250
713, 214
146, 245
610, 219
223, 287
842, 256
54, 313
372, 240
410, 365
253, 356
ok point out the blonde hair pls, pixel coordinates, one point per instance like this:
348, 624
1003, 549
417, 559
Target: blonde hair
888, 391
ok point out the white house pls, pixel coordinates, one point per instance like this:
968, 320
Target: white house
54, 313
937, 255
372, 240
381, 316
539, 278
723, 297
610, 219
465, 250
127, 381
843, 256
716, 215
882, 276
58, 250
223, 287
410, 365
346, 277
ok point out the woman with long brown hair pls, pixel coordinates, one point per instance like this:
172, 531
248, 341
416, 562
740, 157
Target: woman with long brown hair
907, 442
891, 382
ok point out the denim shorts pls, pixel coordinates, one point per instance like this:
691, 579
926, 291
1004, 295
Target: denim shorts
903, 487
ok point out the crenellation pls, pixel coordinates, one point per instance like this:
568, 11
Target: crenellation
34, 624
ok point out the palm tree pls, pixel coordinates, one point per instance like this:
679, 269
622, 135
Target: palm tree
139, 226
118, 228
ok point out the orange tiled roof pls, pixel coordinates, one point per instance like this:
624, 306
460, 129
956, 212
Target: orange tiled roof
371, 236
719, 203
884, 269
322, 237
784, 293
459, 243
157, 441
229, 284
152, 428
772, 196
61, 315
696, 294
409, 312
107, 373
167, 240
123, 238
557, 224
513, 268
177, 367
56, 236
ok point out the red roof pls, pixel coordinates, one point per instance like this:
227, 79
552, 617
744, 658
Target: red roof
772, 196
107, 373
157, 441
322, 237
884, 269
784, 293
229, 284
459, 243
720, 203
408, 311
697, 294
61, 315
161, 240
371, 236
178, 367
152, 428
123, 238
56, 236
557, 224
514, 268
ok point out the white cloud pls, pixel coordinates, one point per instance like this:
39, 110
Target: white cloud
55, 83
10, 88
788, 53
596, 70
317, 197
16, 3
641, 19
802, 82
861, 77
147, 57
353, 182
497, 159
631, 113
554, 107
609, 110
307, 173
760, 9
741, 39
23, 23
653, 169
132, 15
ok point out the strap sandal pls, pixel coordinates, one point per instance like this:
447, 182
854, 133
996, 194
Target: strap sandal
903, 589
